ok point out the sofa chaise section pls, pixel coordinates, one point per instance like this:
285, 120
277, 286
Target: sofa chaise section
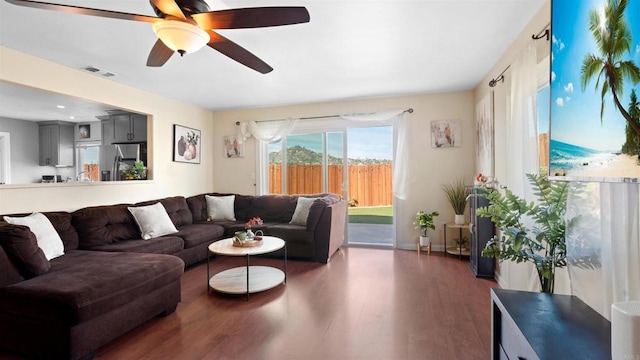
81, 300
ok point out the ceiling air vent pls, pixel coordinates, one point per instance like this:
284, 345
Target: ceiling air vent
97, 71
91, 69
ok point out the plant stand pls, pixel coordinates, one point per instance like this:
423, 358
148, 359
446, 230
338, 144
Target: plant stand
425, 241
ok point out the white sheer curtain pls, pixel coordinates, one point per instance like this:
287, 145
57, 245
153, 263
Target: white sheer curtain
401, 162
603, 243
522, 142
266, 131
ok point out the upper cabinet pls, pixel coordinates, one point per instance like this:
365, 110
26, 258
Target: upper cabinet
131, 127
123, 127
56, 145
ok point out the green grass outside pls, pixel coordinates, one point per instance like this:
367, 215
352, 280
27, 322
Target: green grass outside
371, 215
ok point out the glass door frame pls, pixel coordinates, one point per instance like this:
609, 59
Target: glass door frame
325, 126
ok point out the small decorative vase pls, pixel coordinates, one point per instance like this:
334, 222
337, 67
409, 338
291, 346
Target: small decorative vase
459, 219
425, 240
250, 235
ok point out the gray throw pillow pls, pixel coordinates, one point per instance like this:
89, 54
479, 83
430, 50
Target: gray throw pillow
301, 213
221, 207
153, 221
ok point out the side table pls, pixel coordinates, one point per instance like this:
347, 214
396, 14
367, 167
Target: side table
455, 250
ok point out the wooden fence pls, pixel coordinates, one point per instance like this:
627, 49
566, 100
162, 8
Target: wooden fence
370, 185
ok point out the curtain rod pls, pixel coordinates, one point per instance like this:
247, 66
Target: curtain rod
544, 33
409, 110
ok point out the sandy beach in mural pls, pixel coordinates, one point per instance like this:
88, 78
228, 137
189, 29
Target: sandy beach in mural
621, 166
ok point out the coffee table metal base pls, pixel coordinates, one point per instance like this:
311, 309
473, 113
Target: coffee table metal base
234, 281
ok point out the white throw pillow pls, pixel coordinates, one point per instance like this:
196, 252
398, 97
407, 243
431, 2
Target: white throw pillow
46, 235
221, 207
301, 213
153, 221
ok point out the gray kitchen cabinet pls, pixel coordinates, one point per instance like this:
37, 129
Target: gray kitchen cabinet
56, 145
129, 127
107, 131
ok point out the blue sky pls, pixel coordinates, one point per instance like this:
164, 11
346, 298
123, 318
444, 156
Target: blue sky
364, 143
576, 114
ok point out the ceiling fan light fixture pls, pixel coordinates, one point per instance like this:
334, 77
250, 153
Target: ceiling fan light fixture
181, 36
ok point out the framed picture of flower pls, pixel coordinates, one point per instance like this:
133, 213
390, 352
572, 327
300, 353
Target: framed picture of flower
446, 133
186, 144
233, 148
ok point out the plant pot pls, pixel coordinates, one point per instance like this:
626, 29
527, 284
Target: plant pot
459, 219
425, 240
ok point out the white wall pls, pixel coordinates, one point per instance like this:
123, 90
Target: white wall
433, 167
170, 178
511, 275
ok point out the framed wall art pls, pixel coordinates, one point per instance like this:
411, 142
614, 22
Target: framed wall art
232, 148
84, 131
186, 144
446, 133
484, 136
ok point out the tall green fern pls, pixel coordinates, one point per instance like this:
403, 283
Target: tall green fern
543, 242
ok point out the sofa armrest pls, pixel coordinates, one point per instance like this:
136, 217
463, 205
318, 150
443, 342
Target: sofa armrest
329, 233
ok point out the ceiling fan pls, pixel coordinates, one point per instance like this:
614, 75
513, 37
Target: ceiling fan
185, 26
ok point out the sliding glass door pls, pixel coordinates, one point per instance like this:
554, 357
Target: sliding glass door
354, 162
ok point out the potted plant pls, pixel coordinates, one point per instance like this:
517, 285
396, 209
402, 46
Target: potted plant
457, 193
542, 242
136, 172
424, 222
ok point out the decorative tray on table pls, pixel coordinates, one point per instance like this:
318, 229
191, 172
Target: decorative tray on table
257, 241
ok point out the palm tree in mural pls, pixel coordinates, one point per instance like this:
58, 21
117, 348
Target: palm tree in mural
632, 144
613, 39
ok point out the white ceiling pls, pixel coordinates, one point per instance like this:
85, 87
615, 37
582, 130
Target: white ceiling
349, 50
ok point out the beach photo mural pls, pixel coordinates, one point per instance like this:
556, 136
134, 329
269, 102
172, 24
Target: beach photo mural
595, 76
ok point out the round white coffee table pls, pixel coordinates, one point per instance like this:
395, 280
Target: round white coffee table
247, 279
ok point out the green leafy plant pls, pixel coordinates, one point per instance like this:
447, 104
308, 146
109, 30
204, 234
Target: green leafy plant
137, 172
457, 193
542, 242
424, 221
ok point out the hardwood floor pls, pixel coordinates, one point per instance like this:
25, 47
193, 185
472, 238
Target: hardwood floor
365, 304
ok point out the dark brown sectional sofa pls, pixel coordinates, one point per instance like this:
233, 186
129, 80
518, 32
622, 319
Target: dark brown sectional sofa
110, 280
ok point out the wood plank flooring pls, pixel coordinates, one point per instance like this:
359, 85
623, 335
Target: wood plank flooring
365, 304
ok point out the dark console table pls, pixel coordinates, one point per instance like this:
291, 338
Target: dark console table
528, 325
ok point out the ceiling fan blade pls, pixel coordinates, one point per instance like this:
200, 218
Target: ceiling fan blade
251, 17
84, 11
237, 53
169, 7
159, 54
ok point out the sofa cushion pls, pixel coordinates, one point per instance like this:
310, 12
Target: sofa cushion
162, 245
176, 208
98, 225
46, 235
21, 246
220, 207
80, 287
301, 213
61, 221
196, 234
318, 206
273, 208
198, 206
9, 272
153, 221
